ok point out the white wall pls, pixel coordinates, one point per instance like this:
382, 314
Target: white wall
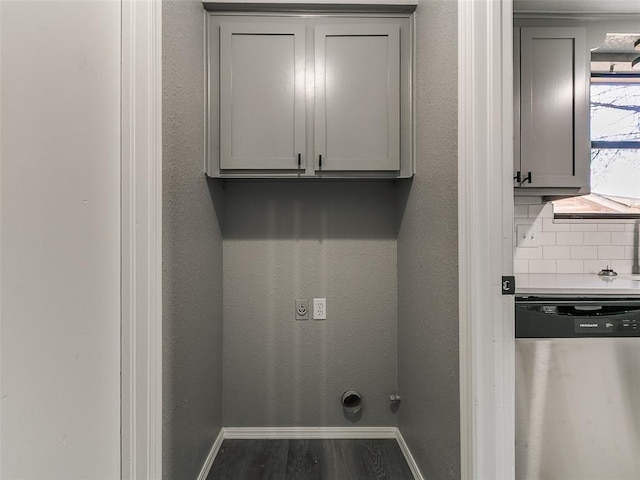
60, 239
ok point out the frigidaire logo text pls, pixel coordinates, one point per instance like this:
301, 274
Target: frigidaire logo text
589, 325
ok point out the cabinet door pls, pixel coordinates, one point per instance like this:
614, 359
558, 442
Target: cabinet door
357, 103
554, 107
262, 103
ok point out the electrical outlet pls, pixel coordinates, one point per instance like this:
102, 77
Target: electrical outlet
302, 309
319, 308
528, 235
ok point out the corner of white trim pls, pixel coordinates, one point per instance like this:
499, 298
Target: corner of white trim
206, 467
413, 466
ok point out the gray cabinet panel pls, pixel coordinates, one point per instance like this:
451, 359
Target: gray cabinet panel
357, 121
283, 90
554, 112
262, 110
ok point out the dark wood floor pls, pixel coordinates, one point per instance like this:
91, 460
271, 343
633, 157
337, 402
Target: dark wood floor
310, 460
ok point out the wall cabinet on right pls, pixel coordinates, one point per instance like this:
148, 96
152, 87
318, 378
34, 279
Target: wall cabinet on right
551, 100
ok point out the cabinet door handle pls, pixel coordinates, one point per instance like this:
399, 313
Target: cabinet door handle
319, 161
299, 160
518, 177
528, 178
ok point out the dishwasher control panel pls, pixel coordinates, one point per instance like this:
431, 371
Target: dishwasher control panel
598, 325
577, 317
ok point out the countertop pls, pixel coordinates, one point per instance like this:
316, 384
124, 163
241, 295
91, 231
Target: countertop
576, 284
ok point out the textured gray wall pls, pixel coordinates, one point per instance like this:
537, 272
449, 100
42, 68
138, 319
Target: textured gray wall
392, 294
192, 254
429, 416
287, 240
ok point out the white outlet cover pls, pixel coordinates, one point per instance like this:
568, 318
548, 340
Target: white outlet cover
528, 235
319, 308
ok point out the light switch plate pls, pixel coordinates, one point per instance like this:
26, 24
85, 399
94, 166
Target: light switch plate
528, 235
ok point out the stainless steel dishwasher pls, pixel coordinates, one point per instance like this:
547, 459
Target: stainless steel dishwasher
577, 388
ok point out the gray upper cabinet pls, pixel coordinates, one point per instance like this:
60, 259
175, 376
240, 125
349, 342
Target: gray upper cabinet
309, 96
262, 97
357, 97
552, 147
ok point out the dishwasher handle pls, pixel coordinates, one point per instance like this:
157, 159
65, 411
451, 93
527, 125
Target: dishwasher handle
579, 307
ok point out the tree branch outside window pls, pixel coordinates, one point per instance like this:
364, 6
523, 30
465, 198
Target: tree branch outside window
615, 153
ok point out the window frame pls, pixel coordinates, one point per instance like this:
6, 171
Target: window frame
609, 79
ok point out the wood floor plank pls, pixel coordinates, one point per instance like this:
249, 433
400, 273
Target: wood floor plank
305, 460
352, 462
387, 460
310, 460
269, 460
331, 463
231, 461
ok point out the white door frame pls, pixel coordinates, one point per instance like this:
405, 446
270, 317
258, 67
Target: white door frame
485, 219
141, 226
485, 212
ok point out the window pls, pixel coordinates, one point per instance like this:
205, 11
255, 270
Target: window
615, 152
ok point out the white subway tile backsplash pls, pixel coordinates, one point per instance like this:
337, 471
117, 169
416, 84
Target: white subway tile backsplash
612, 253
597, 238
621, 266
547, 238
584, 252
554, 252
521, 211
529, 253
622, 238
523, 221
527, 200
535, 210
542, 266
549, 226
570, 266
547, 211
594, 266
569, 238
573, 246
521, 266
584, 227
611, 227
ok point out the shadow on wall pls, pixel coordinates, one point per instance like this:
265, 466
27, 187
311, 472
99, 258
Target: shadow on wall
347, 209
216, 191
403, 191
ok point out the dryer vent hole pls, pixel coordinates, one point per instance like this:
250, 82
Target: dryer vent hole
351, 401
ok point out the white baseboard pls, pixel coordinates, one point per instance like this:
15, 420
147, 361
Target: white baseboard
212, 455
413, 466
310, 433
